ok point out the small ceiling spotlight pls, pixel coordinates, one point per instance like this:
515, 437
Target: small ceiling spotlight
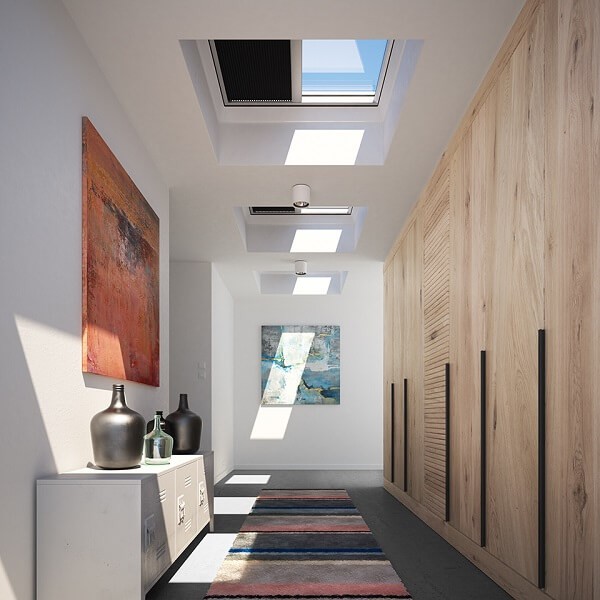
301, 195
300, 267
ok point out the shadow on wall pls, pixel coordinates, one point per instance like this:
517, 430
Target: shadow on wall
26, 456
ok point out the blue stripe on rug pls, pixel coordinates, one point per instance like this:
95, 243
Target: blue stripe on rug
310, 550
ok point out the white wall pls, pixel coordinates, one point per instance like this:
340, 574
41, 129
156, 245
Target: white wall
345, 436
49, 80
190, 356
222, 376
201, 354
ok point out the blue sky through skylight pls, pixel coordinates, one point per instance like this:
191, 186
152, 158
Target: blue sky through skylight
341, 66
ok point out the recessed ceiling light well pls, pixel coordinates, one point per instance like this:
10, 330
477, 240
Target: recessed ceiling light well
324, 147
287, 211
326, 210
316, 240
312, 286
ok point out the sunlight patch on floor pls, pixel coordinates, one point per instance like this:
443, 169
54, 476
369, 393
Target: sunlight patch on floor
233, 506
204, 562
250, 479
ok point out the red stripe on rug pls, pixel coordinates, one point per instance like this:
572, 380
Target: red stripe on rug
300, 528
225, 589
302, 494
261, 497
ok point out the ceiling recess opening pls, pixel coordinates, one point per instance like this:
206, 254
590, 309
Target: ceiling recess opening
309, 210
299, 72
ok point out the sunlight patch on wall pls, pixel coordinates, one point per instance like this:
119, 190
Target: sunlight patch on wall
39, 342
271, 422
287, 368
5, 582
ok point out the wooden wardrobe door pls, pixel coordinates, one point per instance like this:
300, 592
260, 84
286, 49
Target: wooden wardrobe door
399, 369
514, 289
408, 360
389, 412
412, 247
471, 175
573, 299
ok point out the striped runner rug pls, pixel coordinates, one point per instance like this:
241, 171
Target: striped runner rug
305, 544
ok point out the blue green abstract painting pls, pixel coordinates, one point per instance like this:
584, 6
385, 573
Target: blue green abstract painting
300, 364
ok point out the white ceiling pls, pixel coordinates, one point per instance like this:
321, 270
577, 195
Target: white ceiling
136, 44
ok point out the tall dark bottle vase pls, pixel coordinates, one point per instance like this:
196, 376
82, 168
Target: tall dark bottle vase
185, 426
117, 434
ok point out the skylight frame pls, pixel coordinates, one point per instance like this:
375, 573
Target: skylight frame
356, 99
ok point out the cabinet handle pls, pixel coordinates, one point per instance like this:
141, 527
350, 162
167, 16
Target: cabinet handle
541, 458
405, 402
483, 457
447, 390
180, 510
393, 435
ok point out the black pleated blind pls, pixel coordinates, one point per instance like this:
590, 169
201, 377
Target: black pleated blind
255, 70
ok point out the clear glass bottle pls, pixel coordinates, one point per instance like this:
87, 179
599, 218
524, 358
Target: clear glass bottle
158, 445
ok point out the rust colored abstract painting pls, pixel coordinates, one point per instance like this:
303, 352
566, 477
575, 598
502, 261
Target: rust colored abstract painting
120, 269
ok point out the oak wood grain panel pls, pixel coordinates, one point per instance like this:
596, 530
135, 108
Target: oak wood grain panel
471, 180
513, 38
516, 585
572, 298
388, 369
571, 72
399, 364
436, 298
412, 247
514, 291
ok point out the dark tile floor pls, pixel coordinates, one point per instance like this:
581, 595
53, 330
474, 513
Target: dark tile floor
430, 568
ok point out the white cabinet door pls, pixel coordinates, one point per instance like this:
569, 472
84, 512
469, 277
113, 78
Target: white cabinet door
186, 505
203, 503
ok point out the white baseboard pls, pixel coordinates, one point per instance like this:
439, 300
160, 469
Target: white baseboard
223, 473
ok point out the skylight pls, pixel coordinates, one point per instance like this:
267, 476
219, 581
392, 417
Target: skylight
316, 240
324, 147
271, 72
312, 286
341, 68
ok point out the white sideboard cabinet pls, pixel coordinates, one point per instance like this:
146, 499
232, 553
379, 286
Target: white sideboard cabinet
112, 534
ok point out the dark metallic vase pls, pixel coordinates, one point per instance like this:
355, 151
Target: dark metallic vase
117, 434
186, 428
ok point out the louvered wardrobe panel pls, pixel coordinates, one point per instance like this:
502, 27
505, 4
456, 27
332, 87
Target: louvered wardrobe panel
436, 312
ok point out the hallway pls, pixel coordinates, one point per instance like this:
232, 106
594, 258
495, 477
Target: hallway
430, 568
